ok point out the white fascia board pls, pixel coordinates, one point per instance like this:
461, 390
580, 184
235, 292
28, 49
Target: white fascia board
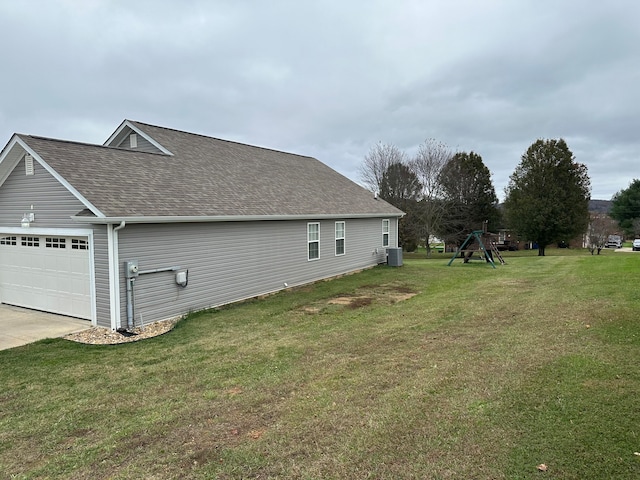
128, 124
113, 136
226, 218
7, 168
54, 232
8, 147
60, 179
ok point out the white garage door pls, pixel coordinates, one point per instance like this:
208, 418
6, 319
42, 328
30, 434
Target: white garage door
46, 273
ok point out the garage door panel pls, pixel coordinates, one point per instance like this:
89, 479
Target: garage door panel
77, 263
54, 264
38, 272
29, 277
80, 286
50, 281
30, 258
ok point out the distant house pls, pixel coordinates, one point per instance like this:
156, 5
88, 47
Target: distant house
158, 222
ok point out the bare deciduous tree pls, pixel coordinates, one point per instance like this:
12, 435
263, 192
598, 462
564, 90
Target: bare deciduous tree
600, 227
428, 163
377, 162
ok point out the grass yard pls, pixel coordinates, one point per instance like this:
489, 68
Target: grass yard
424, 371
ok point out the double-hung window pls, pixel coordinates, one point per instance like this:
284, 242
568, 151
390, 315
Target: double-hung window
340, 234
385, 233
313, 241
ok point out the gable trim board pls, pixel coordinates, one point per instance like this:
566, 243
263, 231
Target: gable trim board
18, 141
233, 215
113, 139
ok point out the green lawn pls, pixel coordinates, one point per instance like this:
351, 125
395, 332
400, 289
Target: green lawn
424, 371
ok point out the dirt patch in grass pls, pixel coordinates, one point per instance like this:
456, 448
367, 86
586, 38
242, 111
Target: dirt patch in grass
360, 302
341, 300
364, 296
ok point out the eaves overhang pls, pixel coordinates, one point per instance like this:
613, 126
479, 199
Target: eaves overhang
224, 218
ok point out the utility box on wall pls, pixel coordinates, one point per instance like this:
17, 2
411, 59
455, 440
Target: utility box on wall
131, 268
394, 257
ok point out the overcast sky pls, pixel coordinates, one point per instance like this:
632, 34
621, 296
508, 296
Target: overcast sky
330, 79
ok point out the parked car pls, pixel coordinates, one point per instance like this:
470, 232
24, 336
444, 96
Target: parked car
636, 245
614, 241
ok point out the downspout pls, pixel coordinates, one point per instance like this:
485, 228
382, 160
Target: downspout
116, 268
121, 226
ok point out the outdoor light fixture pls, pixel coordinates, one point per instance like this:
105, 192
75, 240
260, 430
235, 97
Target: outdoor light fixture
27, 218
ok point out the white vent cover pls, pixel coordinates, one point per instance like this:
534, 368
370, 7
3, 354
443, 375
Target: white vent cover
28, 164
133, 140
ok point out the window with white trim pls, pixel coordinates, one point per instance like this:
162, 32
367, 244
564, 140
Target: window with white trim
78, 244
54, 242
30, 241
8, 241
340, 235
313, 241
385, 233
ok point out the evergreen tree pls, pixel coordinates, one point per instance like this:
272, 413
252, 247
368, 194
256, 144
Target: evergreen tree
625, 208
469, 195
399, 184
548, 195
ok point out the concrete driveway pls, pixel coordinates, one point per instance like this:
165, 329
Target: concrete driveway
19, 326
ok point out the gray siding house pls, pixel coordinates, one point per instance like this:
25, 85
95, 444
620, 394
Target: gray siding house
158, 222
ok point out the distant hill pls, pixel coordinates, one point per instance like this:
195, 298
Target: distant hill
600, 206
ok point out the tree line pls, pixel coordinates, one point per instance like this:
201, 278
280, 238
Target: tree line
625, 208
448, 194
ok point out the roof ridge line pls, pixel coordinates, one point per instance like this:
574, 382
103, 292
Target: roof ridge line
220, 139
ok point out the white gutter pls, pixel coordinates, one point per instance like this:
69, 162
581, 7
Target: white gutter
226, 218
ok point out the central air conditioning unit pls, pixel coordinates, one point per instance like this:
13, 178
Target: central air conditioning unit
394, 257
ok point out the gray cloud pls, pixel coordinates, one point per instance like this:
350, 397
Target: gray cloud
330, 79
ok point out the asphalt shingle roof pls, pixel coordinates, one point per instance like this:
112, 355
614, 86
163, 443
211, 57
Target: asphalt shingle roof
204, 177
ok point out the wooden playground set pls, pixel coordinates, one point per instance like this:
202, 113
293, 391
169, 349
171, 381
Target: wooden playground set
479, 245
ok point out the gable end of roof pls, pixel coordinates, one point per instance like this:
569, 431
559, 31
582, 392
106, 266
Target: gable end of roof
125, 129
16, 150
